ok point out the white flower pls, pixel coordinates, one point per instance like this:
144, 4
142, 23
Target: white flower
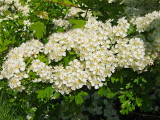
61, 23
100, 48
45, 72
14, 83
147, 22
110, 1
1, 77
29, 117
27, 22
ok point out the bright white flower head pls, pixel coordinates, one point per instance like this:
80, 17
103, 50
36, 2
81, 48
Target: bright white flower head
100, 49
61, 23
149, 21
14, 68
45, 72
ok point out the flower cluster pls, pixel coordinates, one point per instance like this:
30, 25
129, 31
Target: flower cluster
61, 23
45, 72
121, 29
27, 23
3, 8
14, 68
149, 21
70, 78
131, 53
24, 9
15, 5
100, 46
73, 12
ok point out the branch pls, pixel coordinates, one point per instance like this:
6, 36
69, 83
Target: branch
62, 4
145, 115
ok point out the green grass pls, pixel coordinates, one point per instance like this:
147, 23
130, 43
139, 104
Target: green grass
7, 111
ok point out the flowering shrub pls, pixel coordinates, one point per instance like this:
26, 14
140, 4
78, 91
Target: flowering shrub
64, 53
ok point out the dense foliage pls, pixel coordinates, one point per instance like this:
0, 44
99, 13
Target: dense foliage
80, 59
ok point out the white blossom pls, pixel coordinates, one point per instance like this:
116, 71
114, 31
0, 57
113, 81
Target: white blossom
101, 49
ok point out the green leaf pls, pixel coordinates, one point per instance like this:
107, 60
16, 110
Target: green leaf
66, 61
139, 102
129, 102
56, 0
128, 86
140, 80
77, 23
7, 42
71, 52
20, 22
32, 75
131, 30
28, 61
71, 98
56, 95
6, 33
43, 58
41, 94
82, 93
116, 79
102, 91
67, 2
60, 29
1, 41
111, 94
49, 90
39, 29
45, 93
2, 49
78, 99
12, 100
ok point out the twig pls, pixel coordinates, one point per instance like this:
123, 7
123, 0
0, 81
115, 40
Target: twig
146, 115
15, 7
62, 4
